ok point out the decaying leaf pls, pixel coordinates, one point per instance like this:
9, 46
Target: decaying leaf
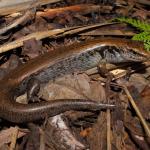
73, 86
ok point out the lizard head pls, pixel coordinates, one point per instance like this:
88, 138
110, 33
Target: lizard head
122, 50
134, 54
135, 51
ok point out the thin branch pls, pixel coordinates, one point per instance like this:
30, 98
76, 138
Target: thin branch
145, 126
108, 130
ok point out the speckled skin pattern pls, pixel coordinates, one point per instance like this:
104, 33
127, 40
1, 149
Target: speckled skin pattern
67, 60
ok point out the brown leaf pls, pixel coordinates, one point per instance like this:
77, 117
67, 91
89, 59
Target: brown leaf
85, 132
5, 135
32, 48
73, 86
138, 81
141, 14
144, 102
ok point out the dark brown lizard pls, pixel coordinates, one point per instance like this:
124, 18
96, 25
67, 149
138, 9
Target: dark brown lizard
51, 65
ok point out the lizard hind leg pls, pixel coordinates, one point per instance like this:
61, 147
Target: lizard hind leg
33, 88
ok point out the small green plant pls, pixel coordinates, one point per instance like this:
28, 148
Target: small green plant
142, 26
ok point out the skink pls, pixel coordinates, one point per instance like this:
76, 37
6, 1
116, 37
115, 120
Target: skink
78, 57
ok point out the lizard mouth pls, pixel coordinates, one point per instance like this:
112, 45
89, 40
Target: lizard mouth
131, 55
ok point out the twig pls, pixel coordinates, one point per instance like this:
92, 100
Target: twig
85, 28
108, 130
107, 90
42, 140
146, 128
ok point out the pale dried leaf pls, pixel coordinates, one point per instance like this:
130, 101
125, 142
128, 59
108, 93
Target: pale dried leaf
73, 86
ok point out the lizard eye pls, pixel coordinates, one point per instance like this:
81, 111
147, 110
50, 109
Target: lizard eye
134, 52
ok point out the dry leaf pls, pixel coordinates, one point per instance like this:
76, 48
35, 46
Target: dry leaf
73, 86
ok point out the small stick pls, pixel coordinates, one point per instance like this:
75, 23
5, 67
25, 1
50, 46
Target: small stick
107, 90
108, 130
146, 128
42, 140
